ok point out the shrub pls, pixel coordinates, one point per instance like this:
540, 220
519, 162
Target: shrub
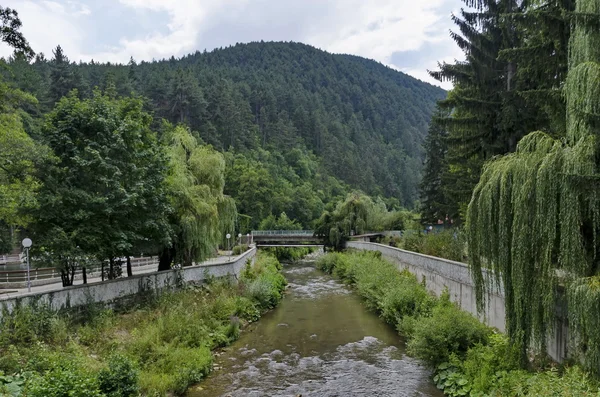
240, 249
448, 330
120, 379
483, 363
448, 244
406, 298
26, 325
66, 378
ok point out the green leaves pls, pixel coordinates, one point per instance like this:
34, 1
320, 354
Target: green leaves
105, 194
202, 214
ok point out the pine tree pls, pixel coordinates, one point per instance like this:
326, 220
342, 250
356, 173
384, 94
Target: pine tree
434, 204
501, 92
64, 77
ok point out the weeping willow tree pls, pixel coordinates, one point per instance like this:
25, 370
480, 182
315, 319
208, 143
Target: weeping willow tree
201, 213
534, 216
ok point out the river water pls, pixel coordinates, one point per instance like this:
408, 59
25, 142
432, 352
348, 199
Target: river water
320, 341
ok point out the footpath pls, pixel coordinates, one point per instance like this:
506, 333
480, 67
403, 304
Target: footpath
96, 279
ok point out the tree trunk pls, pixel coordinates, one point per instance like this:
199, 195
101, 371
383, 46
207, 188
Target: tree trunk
111, 268
84, 273
166, 258
102, 271
129, 271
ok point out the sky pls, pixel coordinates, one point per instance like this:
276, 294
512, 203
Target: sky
407, 35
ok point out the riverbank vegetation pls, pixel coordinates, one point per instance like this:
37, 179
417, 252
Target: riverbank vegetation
468, 357
162, 347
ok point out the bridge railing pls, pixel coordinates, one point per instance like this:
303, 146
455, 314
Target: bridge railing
291, 233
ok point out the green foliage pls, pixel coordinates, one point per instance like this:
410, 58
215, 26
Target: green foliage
449, 379
120, 379
358, 214
64, 379
104, 196
28, 324
507, 86
279, 223
534, 215
484, 364
289, 253
240, 249
11, 385
448, 330
202, 215
161, 348
448, 244
573, 382
265, 284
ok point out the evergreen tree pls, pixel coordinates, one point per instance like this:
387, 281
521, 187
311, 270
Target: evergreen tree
64, 77
435, 205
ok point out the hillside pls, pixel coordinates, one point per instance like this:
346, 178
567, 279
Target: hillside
309, 123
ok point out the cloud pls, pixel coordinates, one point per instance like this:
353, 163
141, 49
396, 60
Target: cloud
394, 32
46, 23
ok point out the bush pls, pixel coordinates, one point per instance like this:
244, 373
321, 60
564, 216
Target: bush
448, 330
448, 244
120, 379
240, 249
66, 378
27, 325
483, 363
406, 298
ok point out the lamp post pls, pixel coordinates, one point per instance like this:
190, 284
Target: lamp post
240, 238
248, 239
228, 245
27, 244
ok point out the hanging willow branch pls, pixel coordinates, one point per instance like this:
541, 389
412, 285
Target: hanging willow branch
533, 224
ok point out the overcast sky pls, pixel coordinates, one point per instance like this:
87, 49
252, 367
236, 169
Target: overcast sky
409, 35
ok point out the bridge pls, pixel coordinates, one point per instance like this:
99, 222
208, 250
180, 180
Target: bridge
288, 238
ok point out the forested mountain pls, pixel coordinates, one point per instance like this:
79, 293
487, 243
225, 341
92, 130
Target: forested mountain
299, 126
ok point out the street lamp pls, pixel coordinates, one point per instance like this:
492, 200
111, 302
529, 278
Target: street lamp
228, 245
240, 238
27, 244
248, 239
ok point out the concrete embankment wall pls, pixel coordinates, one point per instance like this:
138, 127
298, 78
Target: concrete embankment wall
440, 274
113, 291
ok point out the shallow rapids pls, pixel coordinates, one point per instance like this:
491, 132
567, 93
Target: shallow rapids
320, 341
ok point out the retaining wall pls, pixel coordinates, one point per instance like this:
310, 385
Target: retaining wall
440, 274
112, 291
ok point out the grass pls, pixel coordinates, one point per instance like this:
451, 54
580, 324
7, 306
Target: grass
168, 341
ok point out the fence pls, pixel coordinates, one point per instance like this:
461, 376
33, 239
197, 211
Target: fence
49, 275
282, 233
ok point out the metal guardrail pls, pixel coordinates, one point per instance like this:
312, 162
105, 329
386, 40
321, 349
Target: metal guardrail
301, 233
16, 276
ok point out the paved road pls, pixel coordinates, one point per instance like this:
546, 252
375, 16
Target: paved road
12, 293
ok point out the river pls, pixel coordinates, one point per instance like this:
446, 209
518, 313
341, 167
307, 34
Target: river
320, 341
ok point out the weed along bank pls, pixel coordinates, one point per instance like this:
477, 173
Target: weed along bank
468, 357
441, 274
158, 346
